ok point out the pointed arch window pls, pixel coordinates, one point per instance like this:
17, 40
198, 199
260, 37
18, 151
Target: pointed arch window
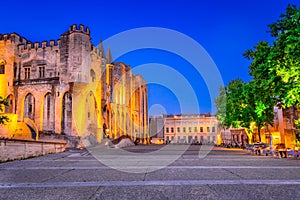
2, 66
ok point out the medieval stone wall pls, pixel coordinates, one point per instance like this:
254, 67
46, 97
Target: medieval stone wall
69, 87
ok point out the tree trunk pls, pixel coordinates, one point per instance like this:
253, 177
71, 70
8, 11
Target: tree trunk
258, 132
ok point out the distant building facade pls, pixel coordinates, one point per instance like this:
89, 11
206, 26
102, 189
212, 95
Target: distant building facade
69, 87
191, 128
156, 129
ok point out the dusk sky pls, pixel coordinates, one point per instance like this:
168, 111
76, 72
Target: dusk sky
225, 29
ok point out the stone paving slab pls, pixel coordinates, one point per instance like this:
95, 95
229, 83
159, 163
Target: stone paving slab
66, 193
28, 176
221, 175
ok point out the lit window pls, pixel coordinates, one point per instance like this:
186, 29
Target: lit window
184, 129
2, 69
190, 129
207, 129
195, 129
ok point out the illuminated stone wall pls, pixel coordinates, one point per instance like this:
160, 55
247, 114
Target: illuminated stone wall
125, 107
70, 89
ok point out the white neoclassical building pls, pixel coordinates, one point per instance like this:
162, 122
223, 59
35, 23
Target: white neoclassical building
191, 128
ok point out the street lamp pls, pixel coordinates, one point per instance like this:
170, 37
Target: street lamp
271, 139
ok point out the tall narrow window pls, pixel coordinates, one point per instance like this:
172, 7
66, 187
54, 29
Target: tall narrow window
2, 69
29, 106
167, 130
41, 72
213, 129
15, 70
93, 75
27, 72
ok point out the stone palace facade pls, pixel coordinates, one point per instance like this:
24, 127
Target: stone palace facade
69, 88
191, 128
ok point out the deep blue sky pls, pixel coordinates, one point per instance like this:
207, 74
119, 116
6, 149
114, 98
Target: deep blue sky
224, 28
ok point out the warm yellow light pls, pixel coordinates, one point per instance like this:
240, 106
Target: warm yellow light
3, 86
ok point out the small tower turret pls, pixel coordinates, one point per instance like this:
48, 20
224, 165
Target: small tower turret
108, 56
75, 48
101, 49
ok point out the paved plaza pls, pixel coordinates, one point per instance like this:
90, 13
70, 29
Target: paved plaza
151, 172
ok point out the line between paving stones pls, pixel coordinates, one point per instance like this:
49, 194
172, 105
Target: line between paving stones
148, 167
149, 183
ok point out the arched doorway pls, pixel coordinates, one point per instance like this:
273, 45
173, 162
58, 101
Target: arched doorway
48, 117
29, 106
66, 122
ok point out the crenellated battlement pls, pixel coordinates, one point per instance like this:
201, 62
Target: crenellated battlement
79, 28
45, 44
13, 37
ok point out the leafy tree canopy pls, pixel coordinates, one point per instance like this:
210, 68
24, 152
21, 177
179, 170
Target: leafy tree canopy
3, 102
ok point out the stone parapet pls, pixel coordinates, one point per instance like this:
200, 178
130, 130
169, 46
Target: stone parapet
13, 149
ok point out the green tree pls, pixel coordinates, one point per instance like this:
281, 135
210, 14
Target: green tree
284, 57
275, 70
262, 90
3, 103
246, 104
235, 103
220, 103
232, 106
260, 104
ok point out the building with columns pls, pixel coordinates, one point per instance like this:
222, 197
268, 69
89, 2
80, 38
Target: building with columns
68, 88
